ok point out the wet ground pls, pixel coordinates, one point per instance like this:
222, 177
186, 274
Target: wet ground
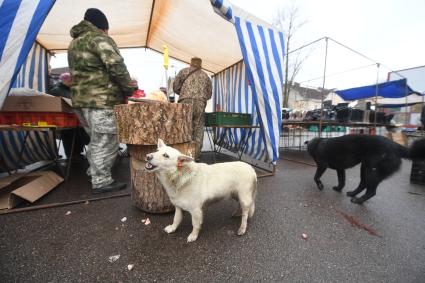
380, 241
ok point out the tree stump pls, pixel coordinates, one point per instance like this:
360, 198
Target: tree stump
147, 193
139, 125
145, 122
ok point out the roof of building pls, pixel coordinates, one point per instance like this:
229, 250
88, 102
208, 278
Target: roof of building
310, 93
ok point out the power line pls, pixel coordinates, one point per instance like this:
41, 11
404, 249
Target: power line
349, 48
339, 73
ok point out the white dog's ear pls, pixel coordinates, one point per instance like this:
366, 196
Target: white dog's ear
160, 143
184, 158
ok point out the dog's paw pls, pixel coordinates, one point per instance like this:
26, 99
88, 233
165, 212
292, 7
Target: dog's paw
320, 186
356, 200
350, 194
170, 229
192, 238
241, 231
337, 188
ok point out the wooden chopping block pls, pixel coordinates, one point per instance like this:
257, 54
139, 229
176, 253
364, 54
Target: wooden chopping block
147, 192
143, 123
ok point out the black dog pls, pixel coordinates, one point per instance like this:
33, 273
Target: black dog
379, 157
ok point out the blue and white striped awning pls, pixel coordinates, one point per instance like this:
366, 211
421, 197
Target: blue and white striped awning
20, 22
233, 93
223, 8
34, 71
39, 146
263, 55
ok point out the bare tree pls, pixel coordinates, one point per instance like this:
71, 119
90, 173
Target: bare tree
288, 21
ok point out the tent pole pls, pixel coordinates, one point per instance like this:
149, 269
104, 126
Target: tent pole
376, 95
405, 107
423, 105
323, 88
150, 22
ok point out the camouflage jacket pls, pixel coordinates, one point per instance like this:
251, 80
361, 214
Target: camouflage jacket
196, 86
99, 76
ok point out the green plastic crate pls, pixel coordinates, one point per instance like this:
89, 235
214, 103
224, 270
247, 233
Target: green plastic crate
228, 119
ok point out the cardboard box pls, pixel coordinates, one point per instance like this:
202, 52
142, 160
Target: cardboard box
26, 187
37, 103
399, 138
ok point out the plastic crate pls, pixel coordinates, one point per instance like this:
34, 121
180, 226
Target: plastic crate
63, 119
59, 119
341, 129
10, 118
228, 119
417, 175
313, 128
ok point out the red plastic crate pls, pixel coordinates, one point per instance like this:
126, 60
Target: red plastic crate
62, 119
10, 118
59, 119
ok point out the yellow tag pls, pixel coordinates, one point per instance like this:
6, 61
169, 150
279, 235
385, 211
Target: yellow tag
42, 123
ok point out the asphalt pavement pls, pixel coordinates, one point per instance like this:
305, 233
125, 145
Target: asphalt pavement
382, 240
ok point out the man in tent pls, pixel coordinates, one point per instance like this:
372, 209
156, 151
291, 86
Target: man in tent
63, 87
194, 87
100, 80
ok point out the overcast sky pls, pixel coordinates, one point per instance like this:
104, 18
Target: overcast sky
390, 32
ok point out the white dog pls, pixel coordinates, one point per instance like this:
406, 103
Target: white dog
191, 186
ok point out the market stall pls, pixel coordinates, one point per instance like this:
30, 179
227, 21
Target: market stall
252, 56
250, 43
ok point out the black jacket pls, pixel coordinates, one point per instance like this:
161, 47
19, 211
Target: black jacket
61, 89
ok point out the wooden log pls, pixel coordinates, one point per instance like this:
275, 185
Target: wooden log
143, 123
147, 192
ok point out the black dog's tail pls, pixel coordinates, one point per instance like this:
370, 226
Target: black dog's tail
417, 150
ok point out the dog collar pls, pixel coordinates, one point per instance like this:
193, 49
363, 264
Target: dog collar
179, 165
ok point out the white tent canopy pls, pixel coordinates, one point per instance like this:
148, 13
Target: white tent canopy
411, 99
189, 28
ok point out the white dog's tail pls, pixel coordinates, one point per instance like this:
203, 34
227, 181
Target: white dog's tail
254, 195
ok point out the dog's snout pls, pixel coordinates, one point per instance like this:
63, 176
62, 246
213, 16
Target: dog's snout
149, 156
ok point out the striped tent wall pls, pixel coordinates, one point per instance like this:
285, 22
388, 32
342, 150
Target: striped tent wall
263, 53
232, 93
223, 8
39, 146
34, 71
20, 22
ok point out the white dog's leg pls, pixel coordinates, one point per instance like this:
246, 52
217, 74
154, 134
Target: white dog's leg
244, 221
178, 216
245, 206
251, 210
196, 223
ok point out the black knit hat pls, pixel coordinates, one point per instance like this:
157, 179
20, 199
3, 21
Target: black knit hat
97, 18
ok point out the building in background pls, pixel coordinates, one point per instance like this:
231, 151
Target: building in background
306, 98
415, 76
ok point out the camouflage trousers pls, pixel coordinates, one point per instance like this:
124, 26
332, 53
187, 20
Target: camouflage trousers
103, 147
198, 123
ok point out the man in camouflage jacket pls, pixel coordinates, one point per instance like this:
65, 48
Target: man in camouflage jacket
100, 80
194, 87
